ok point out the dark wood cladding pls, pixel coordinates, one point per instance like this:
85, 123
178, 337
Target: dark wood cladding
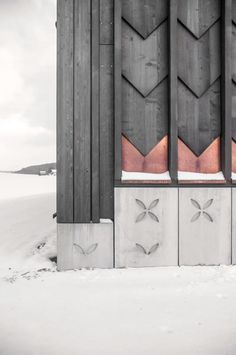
199, 72
173, 124
82, 112
142, 85
65, 73
141, 77
106, 22
226, 146
233, 88
85, 111
106, 131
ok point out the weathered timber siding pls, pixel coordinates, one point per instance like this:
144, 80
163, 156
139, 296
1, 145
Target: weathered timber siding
85, 111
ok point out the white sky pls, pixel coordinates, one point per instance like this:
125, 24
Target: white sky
27, 82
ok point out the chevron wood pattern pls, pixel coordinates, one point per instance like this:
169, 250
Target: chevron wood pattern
198, 60
234, 51
234, 11
144, 86
198, 15
154, 162
144, 15
144, 62
199, 73
199, 119
145, 120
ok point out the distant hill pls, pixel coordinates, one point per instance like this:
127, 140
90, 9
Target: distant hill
35, 169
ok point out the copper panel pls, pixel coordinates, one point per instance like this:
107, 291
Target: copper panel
207, 162
156, 161
233, 157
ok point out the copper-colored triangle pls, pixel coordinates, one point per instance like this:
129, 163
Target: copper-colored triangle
233, 156
154, 162
207, 162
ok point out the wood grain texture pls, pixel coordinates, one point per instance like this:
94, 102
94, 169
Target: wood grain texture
106, 132
95, 124
173, 124
85, 246
234, 11
199, 15
82, 112
146, 218
106, 21
144, 15
199, 120
65, 111
156, 161
234, 52
144, 62
199, 60
207, 162
144, 120
205, 232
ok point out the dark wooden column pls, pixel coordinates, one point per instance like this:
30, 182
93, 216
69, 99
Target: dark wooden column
65, 73
117, 87
173, 127
85, 111
226, 144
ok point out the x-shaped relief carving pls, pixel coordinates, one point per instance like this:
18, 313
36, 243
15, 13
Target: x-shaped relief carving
202, 210
147, 210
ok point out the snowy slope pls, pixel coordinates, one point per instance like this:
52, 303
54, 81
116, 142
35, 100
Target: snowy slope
27, 204
151, 311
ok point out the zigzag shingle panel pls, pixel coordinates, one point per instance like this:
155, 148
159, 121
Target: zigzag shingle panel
199, 119
199, 60
144, 15
144, 62
198, 15
145, 120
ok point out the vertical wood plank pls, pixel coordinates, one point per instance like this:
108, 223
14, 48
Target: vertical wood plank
173, 127
106, 132
226, 152
82, 112
65, 111
117, 87
95, 111
106, 22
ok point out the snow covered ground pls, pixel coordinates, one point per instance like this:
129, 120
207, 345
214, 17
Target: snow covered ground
162, 311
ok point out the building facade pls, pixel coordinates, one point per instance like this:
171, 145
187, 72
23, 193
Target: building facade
146, 133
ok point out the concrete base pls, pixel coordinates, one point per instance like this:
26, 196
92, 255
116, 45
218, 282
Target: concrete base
156, 227
84, 246
146, 227
205, 226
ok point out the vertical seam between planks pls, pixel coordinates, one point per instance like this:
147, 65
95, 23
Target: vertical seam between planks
73, 169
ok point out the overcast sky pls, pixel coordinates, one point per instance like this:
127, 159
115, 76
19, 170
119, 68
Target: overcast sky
27, 82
